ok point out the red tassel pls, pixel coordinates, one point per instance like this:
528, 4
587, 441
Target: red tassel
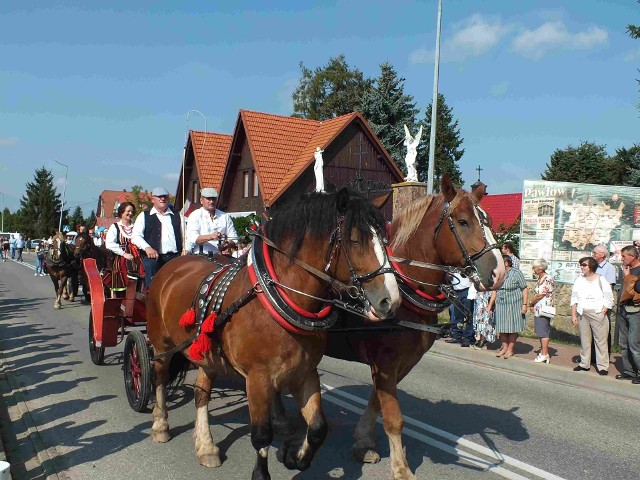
209, 323
201, 345
188, 318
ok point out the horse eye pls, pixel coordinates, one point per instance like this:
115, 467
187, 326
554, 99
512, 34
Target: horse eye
463, 223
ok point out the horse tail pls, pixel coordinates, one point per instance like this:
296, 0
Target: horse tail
178, 368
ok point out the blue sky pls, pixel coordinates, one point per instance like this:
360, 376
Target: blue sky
105, 87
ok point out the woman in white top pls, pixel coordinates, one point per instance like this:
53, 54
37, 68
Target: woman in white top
591, 298
118, 241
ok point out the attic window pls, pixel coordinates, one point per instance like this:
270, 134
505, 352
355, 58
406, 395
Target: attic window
245, 184
194, 192
255, 184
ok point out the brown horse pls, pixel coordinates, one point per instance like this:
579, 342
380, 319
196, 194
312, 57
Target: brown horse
336, 233
61, 265
440, 232
85, 248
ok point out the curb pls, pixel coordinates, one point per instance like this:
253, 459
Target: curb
3, 455
542, 371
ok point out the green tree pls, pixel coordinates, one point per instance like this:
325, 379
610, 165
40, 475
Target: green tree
329, 91
586, 163
625, 166
140, 198
448, 151
76, 218
387, 108
40, 206
634, 32
511, 234
90, 221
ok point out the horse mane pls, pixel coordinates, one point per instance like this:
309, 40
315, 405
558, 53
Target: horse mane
409, 218
316, 214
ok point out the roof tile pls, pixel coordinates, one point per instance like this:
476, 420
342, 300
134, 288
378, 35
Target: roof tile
504, 208
211, 151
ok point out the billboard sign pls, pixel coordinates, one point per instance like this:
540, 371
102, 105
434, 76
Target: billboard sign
562, 222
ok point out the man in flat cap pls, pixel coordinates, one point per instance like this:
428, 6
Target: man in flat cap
158, 234
206, 225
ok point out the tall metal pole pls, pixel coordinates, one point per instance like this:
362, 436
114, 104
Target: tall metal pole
434, 106
64, 191
2, 212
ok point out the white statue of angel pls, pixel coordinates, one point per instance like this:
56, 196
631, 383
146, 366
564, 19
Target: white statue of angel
412, 152
317, 170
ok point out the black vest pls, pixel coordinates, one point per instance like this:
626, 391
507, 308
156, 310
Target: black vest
153, 231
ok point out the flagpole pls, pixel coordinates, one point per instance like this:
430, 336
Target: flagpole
184, 161
434, 105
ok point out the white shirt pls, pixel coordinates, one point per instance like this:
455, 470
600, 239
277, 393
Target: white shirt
591, 295
167, 239
112, 242
201, 223
460, 282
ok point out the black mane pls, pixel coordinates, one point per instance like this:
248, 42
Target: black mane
316, 214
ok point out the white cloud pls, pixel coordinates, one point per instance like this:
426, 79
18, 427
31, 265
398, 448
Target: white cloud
499, 89
632, 55
173, 176
534, 44
8, 141
472, 37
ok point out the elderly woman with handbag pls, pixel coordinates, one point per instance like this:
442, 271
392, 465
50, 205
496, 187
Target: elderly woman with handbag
591, 298
542, 307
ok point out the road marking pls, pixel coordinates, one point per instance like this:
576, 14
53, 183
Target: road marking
23, 263
493, 454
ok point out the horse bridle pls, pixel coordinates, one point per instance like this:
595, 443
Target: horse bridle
336, 240
469, 269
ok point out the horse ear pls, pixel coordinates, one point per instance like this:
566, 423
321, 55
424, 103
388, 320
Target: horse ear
380, 201
479, 192
342, 200
447, 188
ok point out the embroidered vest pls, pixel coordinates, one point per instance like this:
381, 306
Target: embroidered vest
153, 231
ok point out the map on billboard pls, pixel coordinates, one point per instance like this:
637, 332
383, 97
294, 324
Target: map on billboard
563, 222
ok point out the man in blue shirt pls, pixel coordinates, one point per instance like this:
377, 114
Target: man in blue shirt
20, 247
12, 247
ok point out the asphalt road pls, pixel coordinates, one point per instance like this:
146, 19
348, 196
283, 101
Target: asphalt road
71, 418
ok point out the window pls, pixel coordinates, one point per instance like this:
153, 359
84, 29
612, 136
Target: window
195, 192
245, 184
255, 184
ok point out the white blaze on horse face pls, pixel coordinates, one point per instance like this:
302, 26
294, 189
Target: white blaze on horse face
389, 279
499, 272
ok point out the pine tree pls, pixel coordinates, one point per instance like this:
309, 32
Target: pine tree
388, 109
90, 221
582, 164
448, 142
40, 206
76, 218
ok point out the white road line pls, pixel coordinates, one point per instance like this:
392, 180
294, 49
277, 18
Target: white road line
503, 459
23, 263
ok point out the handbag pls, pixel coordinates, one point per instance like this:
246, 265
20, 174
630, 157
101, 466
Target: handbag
547, 311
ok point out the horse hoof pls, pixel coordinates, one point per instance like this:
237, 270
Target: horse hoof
56, 306
365, 455
289, 455
210, 461
404, 474
160, 437
66, 297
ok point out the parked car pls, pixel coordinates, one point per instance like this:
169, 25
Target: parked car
36, 243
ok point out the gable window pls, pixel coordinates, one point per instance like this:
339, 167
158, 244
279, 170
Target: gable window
245, 184
255, 184
195, 194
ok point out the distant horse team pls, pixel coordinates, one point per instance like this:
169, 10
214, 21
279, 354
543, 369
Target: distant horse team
315, 270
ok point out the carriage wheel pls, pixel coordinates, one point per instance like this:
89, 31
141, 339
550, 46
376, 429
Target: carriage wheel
97, 353
137, 371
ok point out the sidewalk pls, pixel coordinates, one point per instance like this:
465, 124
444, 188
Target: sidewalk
563, 359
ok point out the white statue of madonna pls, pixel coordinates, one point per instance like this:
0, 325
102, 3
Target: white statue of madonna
317, 170
412, 152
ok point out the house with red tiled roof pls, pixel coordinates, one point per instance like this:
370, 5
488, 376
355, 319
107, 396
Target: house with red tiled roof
269, 158
504, 209
108, 203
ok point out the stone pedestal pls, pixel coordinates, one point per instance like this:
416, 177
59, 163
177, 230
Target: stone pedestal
406, 192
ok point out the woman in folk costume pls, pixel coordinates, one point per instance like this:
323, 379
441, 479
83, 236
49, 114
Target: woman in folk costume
118, 241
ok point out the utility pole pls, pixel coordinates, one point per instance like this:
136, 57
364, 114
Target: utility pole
2, 229
434, 106
64, 191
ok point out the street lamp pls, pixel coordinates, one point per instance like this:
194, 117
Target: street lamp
434, 106
2, 230
64, 191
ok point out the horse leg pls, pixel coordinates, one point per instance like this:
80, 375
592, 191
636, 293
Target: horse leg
65, 288
207, 452
364, 449
58, 288
74, 286
308, 398
386, 387
160, 429
259, 396
279, 421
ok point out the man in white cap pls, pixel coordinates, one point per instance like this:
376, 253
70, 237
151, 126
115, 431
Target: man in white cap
158, 234
207, 224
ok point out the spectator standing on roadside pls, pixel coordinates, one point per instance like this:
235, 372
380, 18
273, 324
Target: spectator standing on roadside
20, 247
629, 323
591, 298
511, 306
5, 249
543, 297
12, 246
464, 337
507, 249
39, 251
609, 272
484, 323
